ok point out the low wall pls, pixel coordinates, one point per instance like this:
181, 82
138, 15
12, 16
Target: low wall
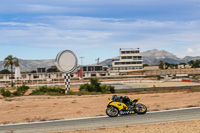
156, 89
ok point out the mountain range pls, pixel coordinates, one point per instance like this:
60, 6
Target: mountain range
154, 56
149, 57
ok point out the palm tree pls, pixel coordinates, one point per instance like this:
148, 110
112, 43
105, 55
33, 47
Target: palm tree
11, 61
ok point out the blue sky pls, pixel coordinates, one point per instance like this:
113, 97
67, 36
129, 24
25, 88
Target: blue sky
35, 29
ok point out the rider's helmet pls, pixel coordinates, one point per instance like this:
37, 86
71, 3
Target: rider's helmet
126, 99
114, 97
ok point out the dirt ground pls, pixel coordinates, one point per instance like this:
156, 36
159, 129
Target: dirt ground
173, 127
42, 108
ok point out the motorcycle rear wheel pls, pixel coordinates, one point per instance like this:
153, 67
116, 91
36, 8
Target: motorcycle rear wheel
140, 109
112, 111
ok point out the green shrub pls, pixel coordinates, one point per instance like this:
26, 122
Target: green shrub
5, 93
2, 90
21, 90
86, 87
111, 88
47, 90
17, 93
158, 77
95, 86
37, 92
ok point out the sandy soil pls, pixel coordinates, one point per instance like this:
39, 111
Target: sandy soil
173, 127
41, 108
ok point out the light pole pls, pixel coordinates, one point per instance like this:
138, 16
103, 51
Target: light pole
97, 61
82, 66
81, 60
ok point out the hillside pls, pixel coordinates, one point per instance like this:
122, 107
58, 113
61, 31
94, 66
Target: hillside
29, 65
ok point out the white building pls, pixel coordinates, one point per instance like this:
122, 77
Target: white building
129, 60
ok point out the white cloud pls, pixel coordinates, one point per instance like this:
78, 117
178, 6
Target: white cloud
21, 24
190, 50
93, 33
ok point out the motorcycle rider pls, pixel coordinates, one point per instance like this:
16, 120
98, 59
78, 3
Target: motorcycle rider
126, 100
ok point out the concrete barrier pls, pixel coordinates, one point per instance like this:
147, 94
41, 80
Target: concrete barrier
156, 89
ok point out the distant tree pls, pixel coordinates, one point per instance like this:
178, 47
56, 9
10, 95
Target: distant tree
167, 65
182, 63
191, 63
172, 66
176, 66
34, 71
105, 68
161, 64
197, 64
145, 65
5, 71
11, 61
52, 69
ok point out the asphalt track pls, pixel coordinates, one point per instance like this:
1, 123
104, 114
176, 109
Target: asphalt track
103, 121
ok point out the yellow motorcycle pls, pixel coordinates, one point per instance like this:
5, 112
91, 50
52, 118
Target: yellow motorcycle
119, 105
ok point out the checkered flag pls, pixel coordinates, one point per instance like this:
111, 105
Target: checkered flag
67, 82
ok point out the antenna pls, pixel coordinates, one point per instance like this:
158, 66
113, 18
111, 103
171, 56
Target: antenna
97, 60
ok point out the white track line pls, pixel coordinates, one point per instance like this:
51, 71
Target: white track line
173, 110
84, 118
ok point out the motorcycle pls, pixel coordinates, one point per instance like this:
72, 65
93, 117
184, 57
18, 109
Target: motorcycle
119, 105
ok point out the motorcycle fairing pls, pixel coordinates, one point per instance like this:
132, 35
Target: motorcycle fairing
119, 105
136, 99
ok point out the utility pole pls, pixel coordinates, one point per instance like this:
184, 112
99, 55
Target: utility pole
97, 61
81, 60
82, 66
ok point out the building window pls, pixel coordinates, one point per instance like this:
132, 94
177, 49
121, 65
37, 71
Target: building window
35, 77
130, 52
128, 63
84, 68
98, 68
93, 74
139, 62
90, 68
123, 57
102, 74
122, 52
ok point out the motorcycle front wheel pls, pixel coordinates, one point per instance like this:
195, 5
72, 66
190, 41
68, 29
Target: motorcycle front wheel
140, 108
112, 111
